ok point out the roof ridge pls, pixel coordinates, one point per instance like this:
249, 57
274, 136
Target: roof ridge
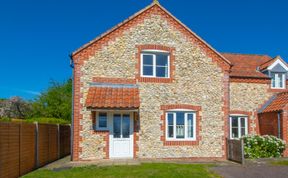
235, 53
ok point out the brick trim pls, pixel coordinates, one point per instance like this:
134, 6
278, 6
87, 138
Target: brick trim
114, 80
249, 80
246, 113
77, 116
197, 109
225, 110
136, 135
140, 48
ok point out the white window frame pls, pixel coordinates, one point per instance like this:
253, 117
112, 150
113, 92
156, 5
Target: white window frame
186, 138
239, 125
98, 120
153, 53
277, 82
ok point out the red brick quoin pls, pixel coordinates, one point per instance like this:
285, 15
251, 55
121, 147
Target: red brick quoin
197, 109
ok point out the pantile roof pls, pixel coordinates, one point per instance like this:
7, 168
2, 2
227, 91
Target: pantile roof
278, 103
113, 97
245, 65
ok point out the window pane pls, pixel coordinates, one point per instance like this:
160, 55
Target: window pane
280, 80
234, 132
170, 119
190, 125
102, 120
117, 126
148, 59
273, 80
162, 60
162, 71
148, 70
234, 122
180, 130
170, 132
126, 126
242, 131
242, 122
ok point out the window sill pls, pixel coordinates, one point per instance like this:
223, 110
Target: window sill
277, 89
155, 80
181, 143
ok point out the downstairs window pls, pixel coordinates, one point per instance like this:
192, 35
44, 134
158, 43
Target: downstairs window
180, 125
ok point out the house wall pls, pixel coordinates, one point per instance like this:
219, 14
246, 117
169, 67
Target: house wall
198, 81
249, 97
268, 124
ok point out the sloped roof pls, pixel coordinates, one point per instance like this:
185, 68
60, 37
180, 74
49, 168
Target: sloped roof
113, 97
154, 4
278, 103
245, 65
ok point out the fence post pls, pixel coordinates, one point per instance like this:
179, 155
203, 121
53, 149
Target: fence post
36, 145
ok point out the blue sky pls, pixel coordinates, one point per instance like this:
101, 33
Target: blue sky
36, 37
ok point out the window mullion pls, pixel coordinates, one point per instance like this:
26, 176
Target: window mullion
239, 127
174, 125
154, 65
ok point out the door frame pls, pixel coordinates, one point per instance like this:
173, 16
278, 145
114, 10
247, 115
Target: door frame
110, 126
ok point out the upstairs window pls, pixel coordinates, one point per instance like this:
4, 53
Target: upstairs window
155, 64
278, 80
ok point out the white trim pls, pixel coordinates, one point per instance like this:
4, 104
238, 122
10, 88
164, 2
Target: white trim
239, 125
155, 51
150, 52
185, 110
278, 61
185, 126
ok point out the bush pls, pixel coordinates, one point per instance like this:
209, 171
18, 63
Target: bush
5, 119
48, 120
266, 146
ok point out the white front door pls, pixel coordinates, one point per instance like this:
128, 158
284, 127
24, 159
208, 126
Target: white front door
121, 135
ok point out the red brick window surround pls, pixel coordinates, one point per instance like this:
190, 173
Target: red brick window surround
153, 48
180, 107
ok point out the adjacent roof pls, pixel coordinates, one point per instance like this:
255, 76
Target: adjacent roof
278, 103
245, 65
110, 97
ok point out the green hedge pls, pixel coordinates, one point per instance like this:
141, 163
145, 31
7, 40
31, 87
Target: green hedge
266, 146
39, 120
48, 120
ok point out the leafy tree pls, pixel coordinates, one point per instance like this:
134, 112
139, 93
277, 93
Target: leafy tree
56, 102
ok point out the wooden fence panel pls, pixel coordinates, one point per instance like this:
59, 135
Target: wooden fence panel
27, 148
23, 145
11, 148
4, 150
65, 140
53, 142
43, 144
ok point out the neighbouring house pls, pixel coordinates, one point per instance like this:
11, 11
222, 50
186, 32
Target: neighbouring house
152, 88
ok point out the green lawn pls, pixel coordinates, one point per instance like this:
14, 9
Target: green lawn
280, 163
143, 170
